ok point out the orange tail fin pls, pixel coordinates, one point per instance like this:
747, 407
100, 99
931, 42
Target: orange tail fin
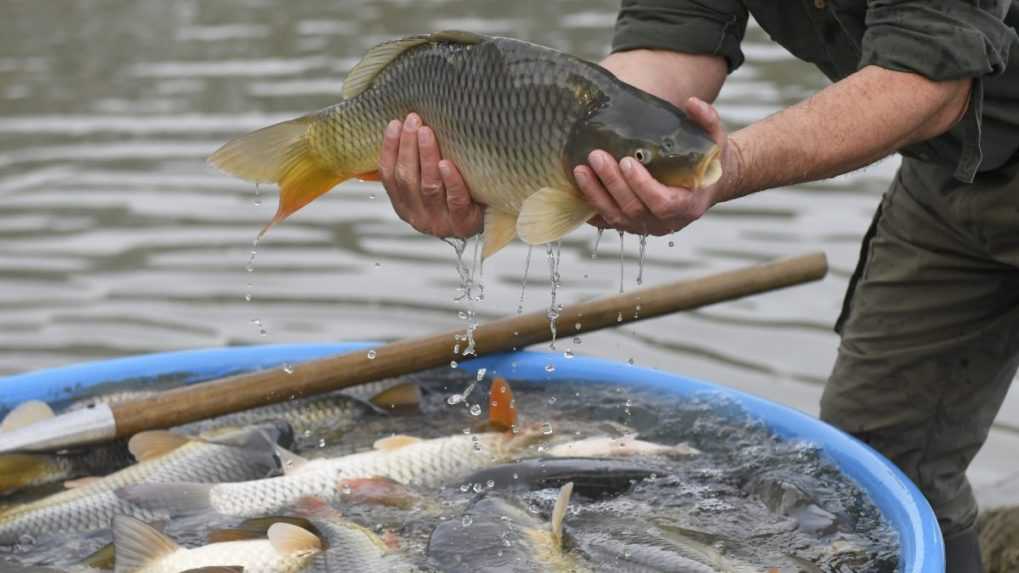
502, 412
279, 154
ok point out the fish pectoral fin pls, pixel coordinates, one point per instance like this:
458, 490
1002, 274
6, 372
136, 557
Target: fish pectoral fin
363, 74
289, 539
280, 154
559, 513
138, 544
500, 229
25, 414
217, 569
145, 446
392, 443
81, 482
549, 213
255, 528
502, 411
289, 461
404, 395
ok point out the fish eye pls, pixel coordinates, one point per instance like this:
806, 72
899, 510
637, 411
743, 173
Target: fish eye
643, 155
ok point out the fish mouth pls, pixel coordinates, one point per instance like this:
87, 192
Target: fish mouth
709, 170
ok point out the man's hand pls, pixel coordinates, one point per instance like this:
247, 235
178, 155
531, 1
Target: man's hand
627, 197
426, 190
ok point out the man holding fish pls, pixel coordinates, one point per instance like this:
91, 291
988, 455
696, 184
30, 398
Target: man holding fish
930, 324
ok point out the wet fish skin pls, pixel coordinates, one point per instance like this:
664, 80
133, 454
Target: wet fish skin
243, 454
426, 463
498, 534
20, 471
513, 116
592, 477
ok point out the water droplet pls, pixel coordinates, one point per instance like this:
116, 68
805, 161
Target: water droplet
288, 368
467, 521
577, 326
455, 399
453, 364
549, 367
619, 317
630, 361
476, 410
321, 442
481, 374
371, 354
477, 488
490, 484
643, 256
377, 264
465, 488
568, 354
247, 297
546, 429
577, 340
371, 196
516, 475
552, 400
621, 262
597, 241
672, 243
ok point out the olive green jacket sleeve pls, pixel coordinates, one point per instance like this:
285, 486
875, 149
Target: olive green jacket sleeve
944, 40
691, 26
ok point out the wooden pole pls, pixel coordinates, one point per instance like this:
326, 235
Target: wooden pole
244, 391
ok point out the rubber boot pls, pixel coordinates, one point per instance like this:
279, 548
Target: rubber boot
962, 553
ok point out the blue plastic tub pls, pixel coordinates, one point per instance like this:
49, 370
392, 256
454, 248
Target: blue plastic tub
897, 497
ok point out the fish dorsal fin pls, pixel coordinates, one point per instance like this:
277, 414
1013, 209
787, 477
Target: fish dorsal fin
217, 569
502, 411
81, 482
145, 446
392, 443
550, 213
289, 461
500, 229
364, 72
559, 513
138, 544
404, 395
289, 539
26, 414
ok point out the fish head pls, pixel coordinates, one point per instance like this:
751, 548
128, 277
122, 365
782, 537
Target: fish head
673, 148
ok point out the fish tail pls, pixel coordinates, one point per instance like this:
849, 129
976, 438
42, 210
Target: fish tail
18, 471
280, 154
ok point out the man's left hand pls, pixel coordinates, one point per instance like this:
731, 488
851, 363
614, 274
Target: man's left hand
628, 198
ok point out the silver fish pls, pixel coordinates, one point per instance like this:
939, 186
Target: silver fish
163, 457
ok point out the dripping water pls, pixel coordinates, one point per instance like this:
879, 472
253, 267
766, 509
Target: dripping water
643, 255
597, 241
523, 284
621, 265
553, 254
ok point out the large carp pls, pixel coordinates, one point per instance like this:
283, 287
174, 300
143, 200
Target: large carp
515, 118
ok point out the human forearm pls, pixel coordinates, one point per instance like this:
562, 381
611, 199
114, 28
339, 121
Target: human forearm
672, 76
848, 125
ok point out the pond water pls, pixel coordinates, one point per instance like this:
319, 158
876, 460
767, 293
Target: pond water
116, 238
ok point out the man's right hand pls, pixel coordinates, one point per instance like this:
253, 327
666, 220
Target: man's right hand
426, 190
